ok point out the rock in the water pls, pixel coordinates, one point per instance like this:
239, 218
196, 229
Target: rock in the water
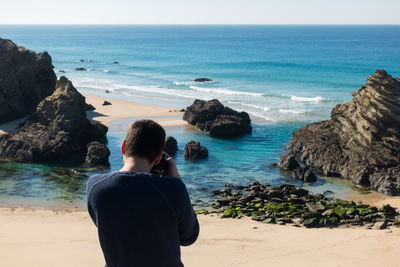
304, 174
57, 130
171, 145
220, 121
289, 164
202, 80
26, 78
81, 69
273, 165
106, 103
361, 141
194, 151
97, 154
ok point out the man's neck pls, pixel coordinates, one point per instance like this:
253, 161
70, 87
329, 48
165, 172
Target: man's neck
136, 164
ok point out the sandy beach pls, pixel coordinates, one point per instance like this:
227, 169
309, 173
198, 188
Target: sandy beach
40, 237
35, 237
122, 109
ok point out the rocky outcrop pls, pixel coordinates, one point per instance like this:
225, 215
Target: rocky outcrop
286, 204
202, 80
290, 166
361, 141
57, 130
26, 78
194, 151
220, 121
171, 146
97, 154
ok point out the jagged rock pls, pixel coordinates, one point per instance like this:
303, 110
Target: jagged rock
57, 130
90, 107
26, 78
194, 151
97, 154
289, 164
304, 174
171, 145
361, 141
220, 121
202, 80
106, 103
230, 126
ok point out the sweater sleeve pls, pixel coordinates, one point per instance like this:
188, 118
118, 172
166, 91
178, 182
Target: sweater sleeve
188, 224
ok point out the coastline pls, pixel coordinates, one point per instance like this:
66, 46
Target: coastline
231, 242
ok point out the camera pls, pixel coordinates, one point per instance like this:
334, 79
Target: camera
161, 168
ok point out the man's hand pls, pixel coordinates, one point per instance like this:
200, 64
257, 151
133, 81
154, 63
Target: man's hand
172, 170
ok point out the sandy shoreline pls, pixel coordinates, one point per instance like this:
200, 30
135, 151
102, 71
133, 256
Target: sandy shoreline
123, 109
34, 237
44, 237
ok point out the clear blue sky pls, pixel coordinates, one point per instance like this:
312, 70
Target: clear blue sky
200, 12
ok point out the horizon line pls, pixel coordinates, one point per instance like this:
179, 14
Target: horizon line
192, 24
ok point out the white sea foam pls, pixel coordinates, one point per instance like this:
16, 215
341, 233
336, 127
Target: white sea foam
223, 91
183, 83
290, 111
316, 99
270, 107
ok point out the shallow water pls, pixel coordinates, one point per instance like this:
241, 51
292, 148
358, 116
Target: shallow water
237, 161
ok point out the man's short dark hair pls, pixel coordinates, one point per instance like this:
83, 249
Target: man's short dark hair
145, 139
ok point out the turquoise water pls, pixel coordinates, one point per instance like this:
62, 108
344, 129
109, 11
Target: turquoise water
284, 76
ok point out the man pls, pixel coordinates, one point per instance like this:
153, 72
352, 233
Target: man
142, 218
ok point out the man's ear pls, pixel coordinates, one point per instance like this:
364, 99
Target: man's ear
123, 148
158, 159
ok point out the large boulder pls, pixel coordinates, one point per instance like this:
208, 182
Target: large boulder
97, 154
194, 151
57, 130
26, 78
220, 121
361, 141
171, 146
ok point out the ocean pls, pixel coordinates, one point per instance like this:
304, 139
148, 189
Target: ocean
284, 76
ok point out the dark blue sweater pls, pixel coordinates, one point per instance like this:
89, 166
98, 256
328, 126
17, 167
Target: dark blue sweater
142, 219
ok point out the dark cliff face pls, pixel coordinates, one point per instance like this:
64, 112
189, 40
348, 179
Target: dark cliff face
57, 130
361, 141
26, 78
